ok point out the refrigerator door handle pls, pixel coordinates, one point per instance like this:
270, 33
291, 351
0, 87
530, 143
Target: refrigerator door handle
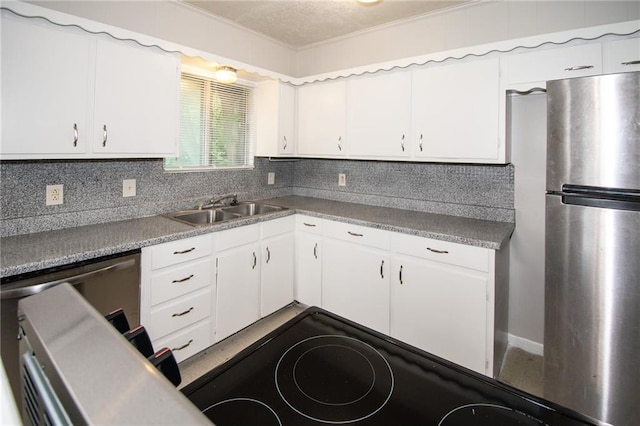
608, 198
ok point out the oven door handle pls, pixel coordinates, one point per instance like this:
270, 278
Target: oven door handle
28, 290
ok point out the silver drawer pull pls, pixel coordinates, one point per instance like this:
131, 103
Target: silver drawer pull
105, 135
183, 313
437, 251
382, 270
183, 279
255, 260
184, 251
75, 134
402, 143
315, 251
355, 234
420, 142
312, 225
636, 62
285, 142
400, 275
579, 68
340, 143
183, 346
268, 255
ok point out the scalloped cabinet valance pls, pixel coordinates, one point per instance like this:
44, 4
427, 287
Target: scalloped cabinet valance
115, 94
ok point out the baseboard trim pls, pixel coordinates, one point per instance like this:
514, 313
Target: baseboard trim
526, 345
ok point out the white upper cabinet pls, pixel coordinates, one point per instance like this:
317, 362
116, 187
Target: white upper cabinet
46, 89
70, 94
379, 115
538, 66
322, 119
622, 55
136, 100
275, 119
455, 112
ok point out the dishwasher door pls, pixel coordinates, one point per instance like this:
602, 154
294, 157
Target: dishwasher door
107, 283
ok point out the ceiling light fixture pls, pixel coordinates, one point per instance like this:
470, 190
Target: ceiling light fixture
368, 1
226, 74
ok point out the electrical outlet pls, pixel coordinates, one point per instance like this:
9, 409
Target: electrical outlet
342, 179
55, 195
129, 188
271, 178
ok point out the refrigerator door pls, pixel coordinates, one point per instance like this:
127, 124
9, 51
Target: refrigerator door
593, 131
592, 315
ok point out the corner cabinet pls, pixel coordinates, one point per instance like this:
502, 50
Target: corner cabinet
70, 94
322, 119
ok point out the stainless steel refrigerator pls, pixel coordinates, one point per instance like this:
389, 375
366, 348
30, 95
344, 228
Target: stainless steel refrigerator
592, 259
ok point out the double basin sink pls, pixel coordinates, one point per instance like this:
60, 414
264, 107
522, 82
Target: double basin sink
222, 214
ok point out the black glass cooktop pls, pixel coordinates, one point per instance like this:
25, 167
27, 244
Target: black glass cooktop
319, 368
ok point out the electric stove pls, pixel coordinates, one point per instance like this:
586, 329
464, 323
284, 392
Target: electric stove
319, 368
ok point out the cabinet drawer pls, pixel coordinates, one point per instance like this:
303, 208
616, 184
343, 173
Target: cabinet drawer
442, 251
187, 342
237, 236
277, 226
176, 281
179, 314
310, 224
180, 251
358, 234
553, 64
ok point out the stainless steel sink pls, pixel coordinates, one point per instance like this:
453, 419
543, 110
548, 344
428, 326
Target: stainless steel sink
222, 214
251, 209
202, 217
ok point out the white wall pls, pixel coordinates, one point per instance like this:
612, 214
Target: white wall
476, 24
182, 24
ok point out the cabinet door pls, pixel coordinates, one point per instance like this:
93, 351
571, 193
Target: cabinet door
238, 287
441, 309
455, 111
622, 55
355, 283
308, 288
286, 120
136, 101
277, 273
46, 89
379, 115
275, 119
322, 119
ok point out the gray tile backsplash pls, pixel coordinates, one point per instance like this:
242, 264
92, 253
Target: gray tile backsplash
93, 188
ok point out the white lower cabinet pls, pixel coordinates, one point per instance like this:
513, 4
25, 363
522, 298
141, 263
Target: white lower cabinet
177, 295
308, 265
276, 283
238, 279
355, 274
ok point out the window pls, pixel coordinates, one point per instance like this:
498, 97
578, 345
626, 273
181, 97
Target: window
215, 126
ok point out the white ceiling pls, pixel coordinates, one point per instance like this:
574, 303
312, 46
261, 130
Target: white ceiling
300, 23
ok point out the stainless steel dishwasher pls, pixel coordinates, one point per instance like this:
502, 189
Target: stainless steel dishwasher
108, 283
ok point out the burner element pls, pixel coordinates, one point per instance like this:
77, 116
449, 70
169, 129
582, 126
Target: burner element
242, 411
487, 414
334, 379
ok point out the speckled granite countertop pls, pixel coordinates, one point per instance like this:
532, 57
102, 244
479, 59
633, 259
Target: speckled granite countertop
25, 253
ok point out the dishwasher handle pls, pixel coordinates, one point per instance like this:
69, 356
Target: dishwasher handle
31, 289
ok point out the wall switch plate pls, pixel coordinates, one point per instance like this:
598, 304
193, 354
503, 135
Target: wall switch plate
129, 188
342, 179
55, 195
271, 178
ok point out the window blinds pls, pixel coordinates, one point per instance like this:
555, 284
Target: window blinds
215, 125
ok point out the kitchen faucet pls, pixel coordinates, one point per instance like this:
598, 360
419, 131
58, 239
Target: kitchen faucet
219, 201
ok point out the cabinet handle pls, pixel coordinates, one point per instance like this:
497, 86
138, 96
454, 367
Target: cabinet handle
183, 313
400, 275
184, 251
579, 67
315, 251
420, 143
382, 270
402, 143
355, 234
284, 146
75, 134
255, 260
105, 135
312, 225
183, 346
437, 251
339, 143
268, 255
183, 279
636, 62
